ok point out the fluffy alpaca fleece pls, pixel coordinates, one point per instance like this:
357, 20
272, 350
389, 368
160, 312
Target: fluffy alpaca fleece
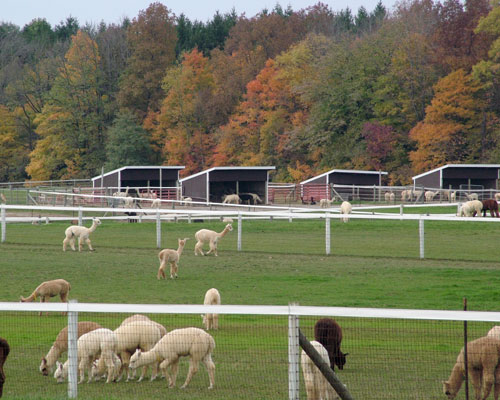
231, 199
471, 208
429, 195
129, 337
140, 317
170, 256
211, 321
325, 203
483, 355
57, 287
90, 345
346, 209
60, 345
192, 342
329, 333
317, 387
212, 237
80, 232
4, 352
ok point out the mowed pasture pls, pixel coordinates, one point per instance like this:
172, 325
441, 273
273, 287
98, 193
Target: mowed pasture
373, 264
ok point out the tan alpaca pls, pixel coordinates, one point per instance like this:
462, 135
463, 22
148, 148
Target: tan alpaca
211, 321
50, 289
170, 256
212, 237
60, 345
80, 232
483, 355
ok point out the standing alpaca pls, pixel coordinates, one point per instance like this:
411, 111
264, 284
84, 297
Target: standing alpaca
170, 256
80, 232
429, 195
60, 345
50, 289
453, 196
492, 205
211, 321
329, 333
192, 342
346, 209
212, 237
325, 203
232, 199
483, 355
317, 387
4, 352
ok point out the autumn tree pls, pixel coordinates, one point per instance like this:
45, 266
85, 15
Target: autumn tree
71, 123
451, 130
151, 38
13, 151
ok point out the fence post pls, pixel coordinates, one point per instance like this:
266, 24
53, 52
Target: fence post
4, 222
72, 351
158, 230
293, 356
80, 216
327, 233
289, 215
421, 234
239, 231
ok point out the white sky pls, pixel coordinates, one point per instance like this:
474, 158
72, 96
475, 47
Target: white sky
22, 12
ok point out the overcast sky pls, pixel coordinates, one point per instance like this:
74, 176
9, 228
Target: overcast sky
22, 12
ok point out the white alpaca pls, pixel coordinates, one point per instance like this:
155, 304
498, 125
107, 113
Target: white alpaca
346, 209
192, 342
140, 317
497, 196
80, 232
212, 237
392, 197
128, 202
472, 196
129, 337
387, 197
231, 199
3, 198
187, 201
429, 195
211, 321
317, 387
227, 220
170, 256
494, 332
471, 208
325, 203
156, 203
60, 345
453, 196
90, 345
121, 194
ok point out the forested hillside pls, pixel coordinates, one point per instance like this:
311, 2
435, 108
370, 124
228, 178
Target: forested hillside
305, 90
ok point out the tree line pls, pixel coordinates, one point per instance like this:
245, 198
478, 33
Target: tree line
306, 91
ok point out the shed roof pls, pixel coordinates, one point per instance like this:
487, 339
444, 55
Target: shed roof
138, 167
344, 171
268, 168
456, 166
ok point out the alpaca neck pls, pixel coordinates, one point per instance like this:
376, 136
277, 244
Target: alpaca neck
147, 358
456, 377
52, 356
223, 233
179, 249
93, 227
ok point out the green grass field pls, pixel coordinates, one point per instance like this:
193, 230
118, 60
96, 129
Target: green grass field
373, 264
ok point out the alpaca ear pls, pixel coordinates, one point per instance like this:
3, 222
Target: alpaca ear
346, 354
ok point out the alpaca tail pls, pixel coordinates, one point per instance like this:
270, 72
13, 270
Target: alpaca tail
29, 299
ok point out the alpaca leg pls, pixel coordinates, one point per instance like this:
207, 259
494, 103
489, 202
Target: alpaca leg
64, 299
215, 321
89, 244
143, 373
173, 270
198, 248
72, 243
44, 299
193, 369
488, 381
80, 244
65, 243
161, 271
154, 371
475, 378
209, 364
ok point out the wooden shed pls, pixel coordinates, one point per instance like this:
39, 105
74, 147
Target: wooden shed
159, 178
213, 184
319, 186
461, 177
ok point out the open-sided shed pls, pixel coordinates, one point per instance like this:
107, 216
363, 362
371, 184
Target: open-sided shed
318, 187
460, 176
158, 177
213, 184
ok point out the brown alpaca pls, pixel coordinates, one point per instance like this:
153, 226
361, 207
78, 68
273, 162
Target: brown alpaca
60, 345
4, 352
492, 205
329, 333
50, 289
483, 355
212, 237
170, 256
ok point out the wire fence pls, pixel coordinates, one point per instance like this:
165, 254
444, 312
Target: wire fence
391, 354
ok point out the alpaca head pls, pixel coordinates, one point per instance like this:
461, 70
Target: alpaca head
59, 373
96, 221
448, 390
182, 242
229, 227
43, 367
340, 360
135, 359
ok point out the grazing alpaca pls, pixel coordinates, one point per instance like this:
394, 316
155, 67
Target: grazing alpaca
231, 199
170, 256
60, 345
492, 205
187, 201
325, 203
346, 209
429, 195
211, 321
482, 360
317, 387
80, 232
471, 208
4, 352
212, 237
50, 289
329, 333
192, 342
